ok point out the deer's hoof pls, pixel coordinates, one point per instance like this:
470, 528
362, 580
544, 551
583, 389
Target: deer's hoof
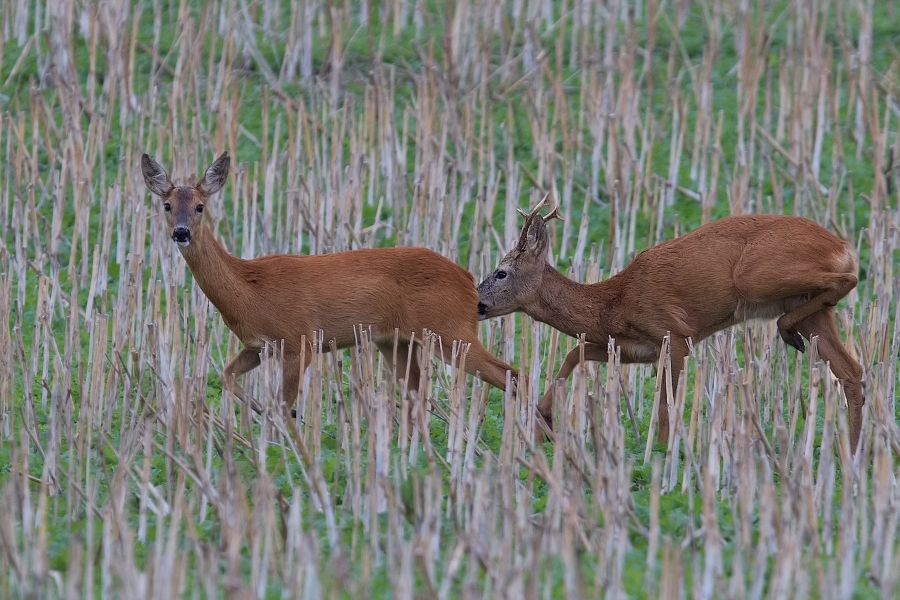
793, 338
539, 436
548, 419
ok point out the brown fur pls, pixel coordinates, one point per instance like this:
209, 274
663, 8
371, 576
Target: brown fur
285, 297
730, 270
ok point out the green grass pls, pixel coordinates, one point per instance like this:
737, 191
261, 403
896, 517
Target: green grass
509, 109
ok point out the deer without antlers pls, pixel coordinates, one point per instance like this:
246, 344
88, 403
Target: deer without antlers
281, 298
725, 272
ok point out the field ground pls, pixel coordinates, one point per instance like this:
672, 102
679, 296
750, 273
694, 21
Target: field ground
126, 472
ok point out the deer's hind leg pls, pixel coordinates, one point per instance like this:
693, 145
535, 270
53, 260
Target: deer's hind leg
486, 366
479, 362
840, 285
844, 367
403, 359
821, 287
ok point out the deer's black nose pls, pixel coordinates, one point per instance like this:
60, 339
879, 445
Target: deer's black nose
181, 235
482, 309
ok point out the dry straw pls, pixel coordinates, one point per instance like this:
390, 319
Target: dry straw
126, 472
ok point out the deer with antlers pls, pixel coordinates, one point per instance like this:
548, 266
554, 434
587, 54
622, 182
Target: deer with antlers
397, 292
725, 272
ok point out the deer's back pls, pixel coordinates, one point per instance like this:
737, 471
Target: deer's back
703, 281
384, 288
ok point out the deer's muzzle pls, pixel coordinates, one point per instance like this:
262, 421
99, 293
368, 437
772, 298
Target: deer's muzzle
482, 311
181, 236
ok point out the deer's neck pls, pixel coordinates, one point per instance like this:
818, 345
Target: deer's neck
216, 271
571, 307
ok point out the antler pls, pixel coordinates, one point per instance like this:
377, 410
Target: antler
530, 217
554, 214
535, 210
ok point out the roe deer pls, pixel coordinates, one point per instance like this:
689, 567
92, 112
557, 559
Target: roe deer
727, 271
284, 297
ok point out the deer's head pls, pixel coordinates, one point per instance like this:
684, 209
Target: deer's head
515, 282
184, 204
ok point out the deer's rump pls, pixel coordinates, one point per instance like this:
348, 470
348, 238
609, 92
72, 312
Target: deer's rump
729, 271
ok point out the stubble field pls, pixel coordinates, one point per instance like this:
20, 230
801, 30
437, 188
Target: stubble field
126, 471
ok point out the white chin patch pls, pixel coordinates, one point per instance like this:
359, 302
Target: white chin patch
183, 244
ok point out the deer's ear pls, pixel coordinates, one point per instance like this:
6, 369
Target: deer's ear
537, 240
155, 177
214, 178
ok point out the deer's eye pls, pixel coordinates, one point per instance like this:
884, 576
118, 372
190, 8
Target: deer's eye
199, 208
168, 207
501, 274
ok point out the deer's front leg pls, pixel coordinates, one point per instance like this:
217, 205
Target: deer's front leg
678, 350
292, 369
592, 352
246, 360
